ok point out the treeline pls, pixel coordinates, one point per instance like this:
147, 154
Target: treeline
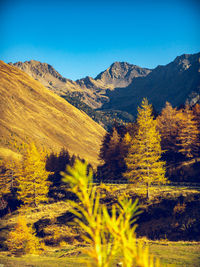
104, 117
34, 179
141, 152
180, 142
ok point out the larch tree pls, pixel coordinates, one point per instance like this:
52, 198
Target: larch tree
110, 154
188, 133
22, 239
113, 151
143, 161
32, 181
168, 124
196, 111
8, 174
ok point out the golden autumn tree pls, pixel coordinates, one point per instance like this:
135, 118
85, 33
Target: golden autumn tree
8, 173
22, 239
112, 153
188, 134
32, 181
168, 124
144, 163
196, 111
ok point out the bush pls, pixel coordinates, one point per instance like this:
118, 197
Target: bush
22, 239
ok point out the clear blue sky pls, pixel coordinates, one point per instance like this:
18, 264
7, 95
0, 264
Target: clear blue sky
82, 38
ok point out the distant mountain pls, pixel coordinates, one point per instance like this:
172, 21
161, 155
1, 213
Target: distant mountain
29, 111
175, 82
92, 92
47, 75
122, 86
121, 74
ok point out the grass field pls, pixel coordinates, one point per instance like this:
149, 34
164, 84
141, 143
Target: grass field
178, 254
170, 253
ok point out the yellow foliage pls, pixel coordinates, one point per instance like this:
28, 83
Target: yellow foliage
56, 234
179, 208
188, 134
32, 180
22, 239
144, 156
109, 234
8, 170
179, 130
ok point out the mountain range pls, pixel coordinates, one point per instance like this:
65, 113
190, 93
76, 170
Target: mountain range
34, 103
122, 86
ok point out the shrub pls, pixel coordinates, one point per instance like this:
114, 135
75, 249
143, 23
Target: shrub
22, 239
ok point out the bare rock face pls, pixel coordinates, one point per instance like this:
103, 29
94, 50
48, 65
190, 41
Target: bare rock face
121, 74
47, 75
92, 92
122, 86
175, 82
88, 90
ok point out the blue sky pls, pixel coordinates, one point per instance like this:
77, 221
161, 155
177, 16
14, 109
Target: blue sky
80, 38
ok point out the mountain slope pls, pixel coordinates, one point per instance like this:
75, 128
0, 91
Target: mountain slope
88, 90
92, 92
29, 111
175, 83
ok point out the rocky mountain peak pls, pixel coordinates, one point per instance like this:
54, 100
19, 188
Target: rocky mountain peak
121, 74
186, 60
38, 69
87, 82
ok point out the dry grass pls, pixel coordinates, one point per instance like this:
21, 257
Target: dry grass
32, 215
177, 254
172, 253
156, 191
29, 111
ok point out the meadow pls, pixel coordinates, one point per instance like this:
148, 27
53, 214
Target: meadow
73, 253
170, 253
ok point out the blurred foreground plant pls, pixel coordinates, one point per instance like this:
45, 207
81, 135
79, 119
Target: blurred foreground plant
109, 233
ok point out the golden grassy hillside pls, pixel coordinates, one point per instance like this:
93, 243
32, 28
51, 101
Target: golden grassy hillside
29, 111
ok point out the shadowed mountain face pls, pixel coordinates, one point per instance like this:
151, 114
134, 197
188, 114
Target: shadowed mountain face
122, 86
29, 111
176, 82
92, 92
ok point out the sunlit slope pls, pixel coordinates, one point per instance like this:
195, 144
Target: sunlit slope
30, 111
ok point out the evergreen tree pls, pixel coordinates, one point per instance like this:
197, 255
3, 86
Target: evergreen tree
143, 159
32, 181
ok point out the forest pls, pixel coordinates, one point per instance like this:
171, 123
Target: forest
105, 202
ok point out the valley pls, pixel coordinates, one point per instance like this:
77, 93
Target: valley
88, 131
